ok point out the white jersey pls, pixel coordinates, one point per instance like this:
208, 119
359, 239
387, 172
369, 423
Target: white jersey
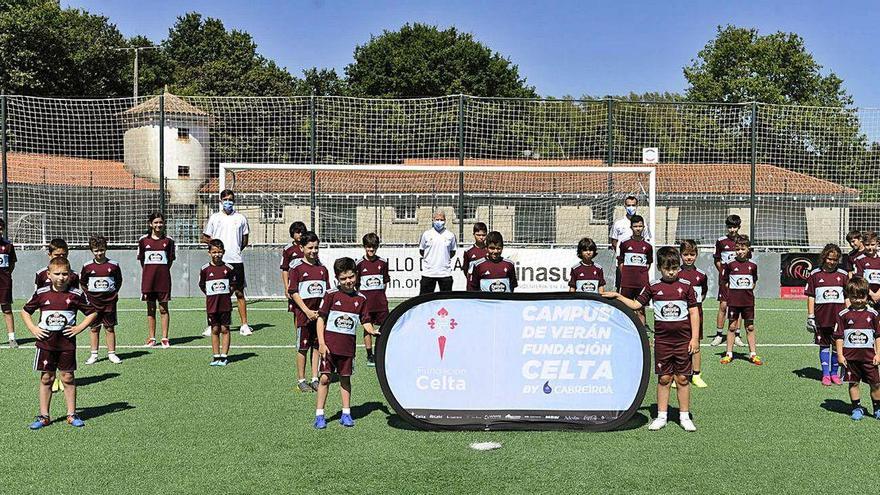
230, 229
437, 246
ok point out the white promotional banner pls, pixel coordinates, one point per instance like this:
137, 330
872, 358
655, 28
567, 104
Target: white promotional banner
538, 270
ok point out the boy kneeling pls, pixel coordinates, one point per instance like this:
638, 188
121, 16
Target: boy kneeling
676, 334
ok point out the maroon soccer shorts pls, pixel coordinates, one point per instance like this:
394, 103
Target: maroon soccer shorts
156, 296
307, 336
6, 295
862, 371
51, 361
339, 365
631, 292
238, 271
221, 319
747, 313
824, 336
722, 293
672, 358
105, 319
378, 317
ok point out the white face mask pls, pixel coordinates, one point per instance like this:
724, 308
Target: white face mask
438, 225
630, 210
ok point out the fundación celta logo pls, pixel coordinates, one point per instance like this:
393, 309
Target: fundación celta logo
442, 324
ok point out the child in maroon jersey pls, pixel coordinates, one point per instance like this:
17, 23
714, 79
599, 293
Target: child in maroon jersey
586, 276
57, 249
56, 337
867, 266
373, 278
676, 334
308, 283
156, 252
725, 250
7, 266
740, 277
854, 238
857, 339
825, 299
493, 273
101, 280
291, 251
216, 280
636, 257
700, 282
477, 251
342, 310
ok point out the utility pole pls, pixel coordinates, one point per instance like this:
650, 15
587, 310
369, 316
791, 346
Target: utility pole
136, 50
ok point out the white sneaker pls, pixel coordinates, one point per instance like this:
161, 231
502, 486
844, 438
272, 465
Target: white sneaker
657, 424
717, 341
113, 358
688, 424
738, 341
93, 358
245, 330
207, 332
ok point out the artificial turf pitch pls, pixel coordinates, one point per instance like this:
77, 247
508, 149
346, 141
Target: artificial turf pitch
163, 421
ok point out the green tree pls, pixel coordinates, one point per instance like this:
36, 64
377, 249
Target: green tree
154, 67
420, 61
321, 82
740, 65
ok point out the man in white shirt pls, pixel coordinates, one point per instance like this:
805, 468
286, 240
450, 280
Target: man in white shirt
437, 247
231, 227
621, 231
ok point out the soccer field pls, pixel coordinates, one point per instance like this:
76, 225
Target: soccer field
163, 421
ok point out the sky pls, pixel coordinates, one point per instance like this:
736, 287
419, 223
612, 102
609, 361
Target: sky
561, 47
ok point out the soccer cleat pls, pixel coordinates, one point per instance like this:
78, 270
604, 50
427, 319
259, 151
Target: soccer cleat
40, 422
13, 344
207, 332
756, 360
688, 424
151, 342
222, 362
214, 362
698, 382
673, 384
304, 387
836, 380
657, 424
314, 385
857, 414
74, 420
739, 342
245, 330
113, 358
826, 381
371, 361
726, 359
57, 385
877, 414
346, 420
320, 422
717, 340
93, 358
166, 343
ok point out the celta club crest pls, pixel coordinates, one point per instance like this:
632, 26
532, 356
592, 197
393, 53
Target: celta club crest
442, 324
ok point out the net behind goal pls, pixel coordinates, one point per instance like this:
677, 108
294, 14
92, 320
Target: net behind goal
532, 206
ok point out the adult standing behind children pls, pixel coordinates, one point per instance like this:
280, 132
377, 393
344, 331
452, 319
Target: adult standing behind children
621, 231
231, 227
437, 247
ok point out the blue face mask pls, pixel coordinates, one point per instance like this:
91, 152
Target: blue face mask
438, 225
227, 205
630, 210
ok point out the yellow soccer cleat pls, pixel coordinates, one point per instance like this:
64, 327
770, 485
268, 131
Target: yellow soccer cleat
726, 359
57, 385
698, 382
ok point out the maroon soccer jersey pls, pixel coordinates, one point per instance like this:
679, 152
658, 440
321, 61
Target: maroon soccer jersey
848, 263
698, 279
868, 268
635, 258
670, 301
156, 257
57, 312
290, 252
725, 249
858, 328
827, 290
41, 279
216, 282
586, 278
101, 282
741, 277
311, 283
343, 313
373, 279
472, 255
7, 262
492, 276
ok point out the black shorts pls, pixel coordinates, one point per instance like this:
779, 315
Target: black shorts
238, 272
52, 361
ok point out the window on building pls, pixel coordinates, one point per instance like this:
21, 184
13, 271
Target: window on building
534, 223
701, 222
183, 133
183, 171
469, 211
781, 225
337, 219
404, 212
272, 212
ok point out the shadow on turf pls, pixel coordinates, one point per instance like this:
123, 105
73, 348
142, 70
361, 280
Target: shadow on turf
184, 340
26, 340
837, 406
256, 327
89, 380
87, 413
132, 355
363, 410
234, 358
809, 374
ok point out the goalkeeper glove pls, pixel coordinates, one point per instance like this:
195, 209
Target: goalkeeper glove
811, 324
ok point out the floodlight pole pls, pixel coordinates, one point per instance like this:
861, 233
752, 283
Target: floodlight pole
137, 50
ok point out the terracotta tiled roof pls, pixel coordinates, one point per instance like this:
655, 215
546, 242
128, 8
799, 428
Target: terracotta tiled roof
672, 178
173, 105
31, 168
